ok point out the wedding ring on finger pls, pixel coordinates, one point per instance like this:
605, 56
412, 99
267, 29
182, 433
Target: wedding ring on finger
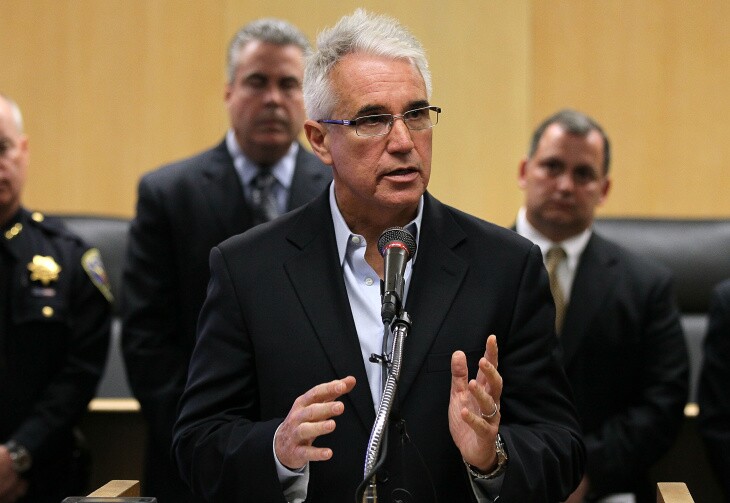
490, 416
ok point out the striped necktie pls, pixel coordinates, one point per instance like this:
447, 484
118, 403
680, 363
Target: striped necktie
263, 201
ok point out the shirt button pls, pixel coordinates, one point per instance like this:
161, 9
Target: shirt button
356, 240
368, 281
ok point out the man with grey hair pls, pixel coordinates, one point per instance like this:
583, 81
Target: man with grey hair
55, 314
618, 322
283, 388
256, 173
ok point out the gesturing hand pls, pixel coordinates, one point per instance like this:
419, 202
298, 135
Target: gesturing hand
12, 486
310, 417
474, 407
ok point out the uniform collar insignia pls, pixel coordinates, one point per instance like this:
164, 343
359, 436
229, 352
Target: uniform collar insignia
13, 231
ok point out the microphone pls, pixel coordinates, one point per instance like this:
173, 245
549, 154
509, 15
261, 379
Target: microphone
397, 246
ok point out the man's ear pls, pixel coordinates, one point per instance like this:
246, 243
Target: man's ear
24, 151
227, 91
605, 190
522, 173
318, 138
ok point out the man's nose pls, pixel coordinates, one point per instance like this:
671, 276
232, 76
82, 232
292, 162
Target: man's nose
565, 181
399, 135
273, 94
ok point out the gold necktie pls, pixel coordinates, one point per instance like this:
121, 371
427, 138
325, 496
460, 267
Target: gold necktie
555, 256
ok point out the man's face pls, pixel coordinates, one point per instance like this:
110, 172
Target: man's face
564, 182
13, 163
264, 100
380, 177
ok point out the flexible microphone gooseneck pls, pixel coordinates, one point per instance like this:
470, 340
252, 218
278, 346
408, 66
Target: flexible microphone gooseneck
397, 246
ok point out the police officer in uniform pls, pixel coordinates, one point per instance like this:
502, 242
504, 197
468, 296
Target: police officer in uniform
55, 312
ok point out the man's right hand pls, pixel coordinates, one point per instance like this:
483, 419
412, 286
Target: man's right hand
310, 417
12, 486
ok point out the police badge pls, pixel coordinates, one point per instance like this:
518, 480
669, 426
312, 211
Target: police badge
44, 269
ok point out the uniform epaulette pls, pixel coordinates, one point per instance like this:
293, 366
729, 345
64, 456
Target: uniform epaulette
53, 225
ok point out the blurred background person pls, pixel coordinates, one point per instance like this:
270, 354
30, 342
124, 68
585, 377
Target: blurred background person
55, 315
618, 323
713, 395
256, 173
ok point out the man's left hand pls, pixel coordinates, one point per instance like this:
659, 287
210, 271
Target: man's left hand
474, 408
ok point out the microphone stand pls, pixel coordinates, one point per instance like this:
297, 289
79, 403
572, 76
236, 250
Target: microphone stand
400, 327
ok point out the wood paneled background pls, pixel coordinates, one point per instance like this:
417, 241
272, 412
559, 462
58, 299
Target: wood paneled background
113, 88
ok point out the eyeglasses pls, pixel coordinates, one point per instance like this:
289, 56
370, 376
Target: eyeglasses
381, 124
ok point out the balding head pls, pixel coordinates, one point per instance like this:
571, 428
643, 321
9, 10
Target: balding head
13, 158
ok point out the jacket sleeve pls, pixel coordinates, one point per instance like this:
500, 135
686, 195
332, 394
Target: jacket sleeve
714, 400
151, 341
222, 451
629, 442
539, 422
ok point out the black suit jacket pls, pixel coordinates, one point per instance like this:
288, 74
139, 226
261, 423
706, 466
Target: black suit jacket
260, 348
713, 396
625, 356
183, 210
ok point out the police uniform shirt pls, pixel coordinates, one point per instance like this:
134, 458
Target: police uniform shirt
55, 313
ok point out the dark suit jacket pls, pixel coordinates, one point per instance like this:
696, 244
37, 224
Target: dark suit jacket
625, 357
714, 399
183, 210
260, 348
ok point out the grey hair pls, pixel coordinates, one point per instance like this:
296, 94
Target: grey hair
359, 32
15, 112
573, 122
269, 30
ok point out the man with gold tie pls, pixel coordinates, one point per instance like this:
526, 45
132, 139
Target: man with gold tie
616, 317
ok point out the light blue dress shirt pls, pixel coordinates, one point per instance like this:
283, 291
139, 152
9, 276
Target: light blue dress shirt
282, 170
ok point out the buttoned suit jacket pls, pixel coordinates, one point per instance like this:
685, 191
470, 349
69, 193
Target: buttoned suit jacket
714, 424
277, 322
626, 360
183, 210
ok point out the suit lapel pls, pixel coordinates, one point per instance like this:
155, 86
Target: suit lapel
221, 188
327, 307
594, 280
309, 173
437, 275
438, 272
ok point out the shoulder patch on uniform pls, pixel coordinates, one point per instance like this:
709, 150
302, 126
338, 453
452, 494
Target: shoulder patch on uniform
92, 264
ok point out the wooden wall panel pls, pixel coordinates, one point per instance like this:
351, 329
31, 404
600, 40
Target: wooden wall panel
113, 88
109, 89
656, 74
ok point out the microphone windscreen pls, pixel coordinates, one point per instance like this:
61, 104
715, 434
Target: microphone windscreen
398, 235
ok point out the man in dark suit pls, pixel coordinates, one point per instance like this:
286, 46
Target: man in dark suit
714, 400
618, 323
187, 207
281, 395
